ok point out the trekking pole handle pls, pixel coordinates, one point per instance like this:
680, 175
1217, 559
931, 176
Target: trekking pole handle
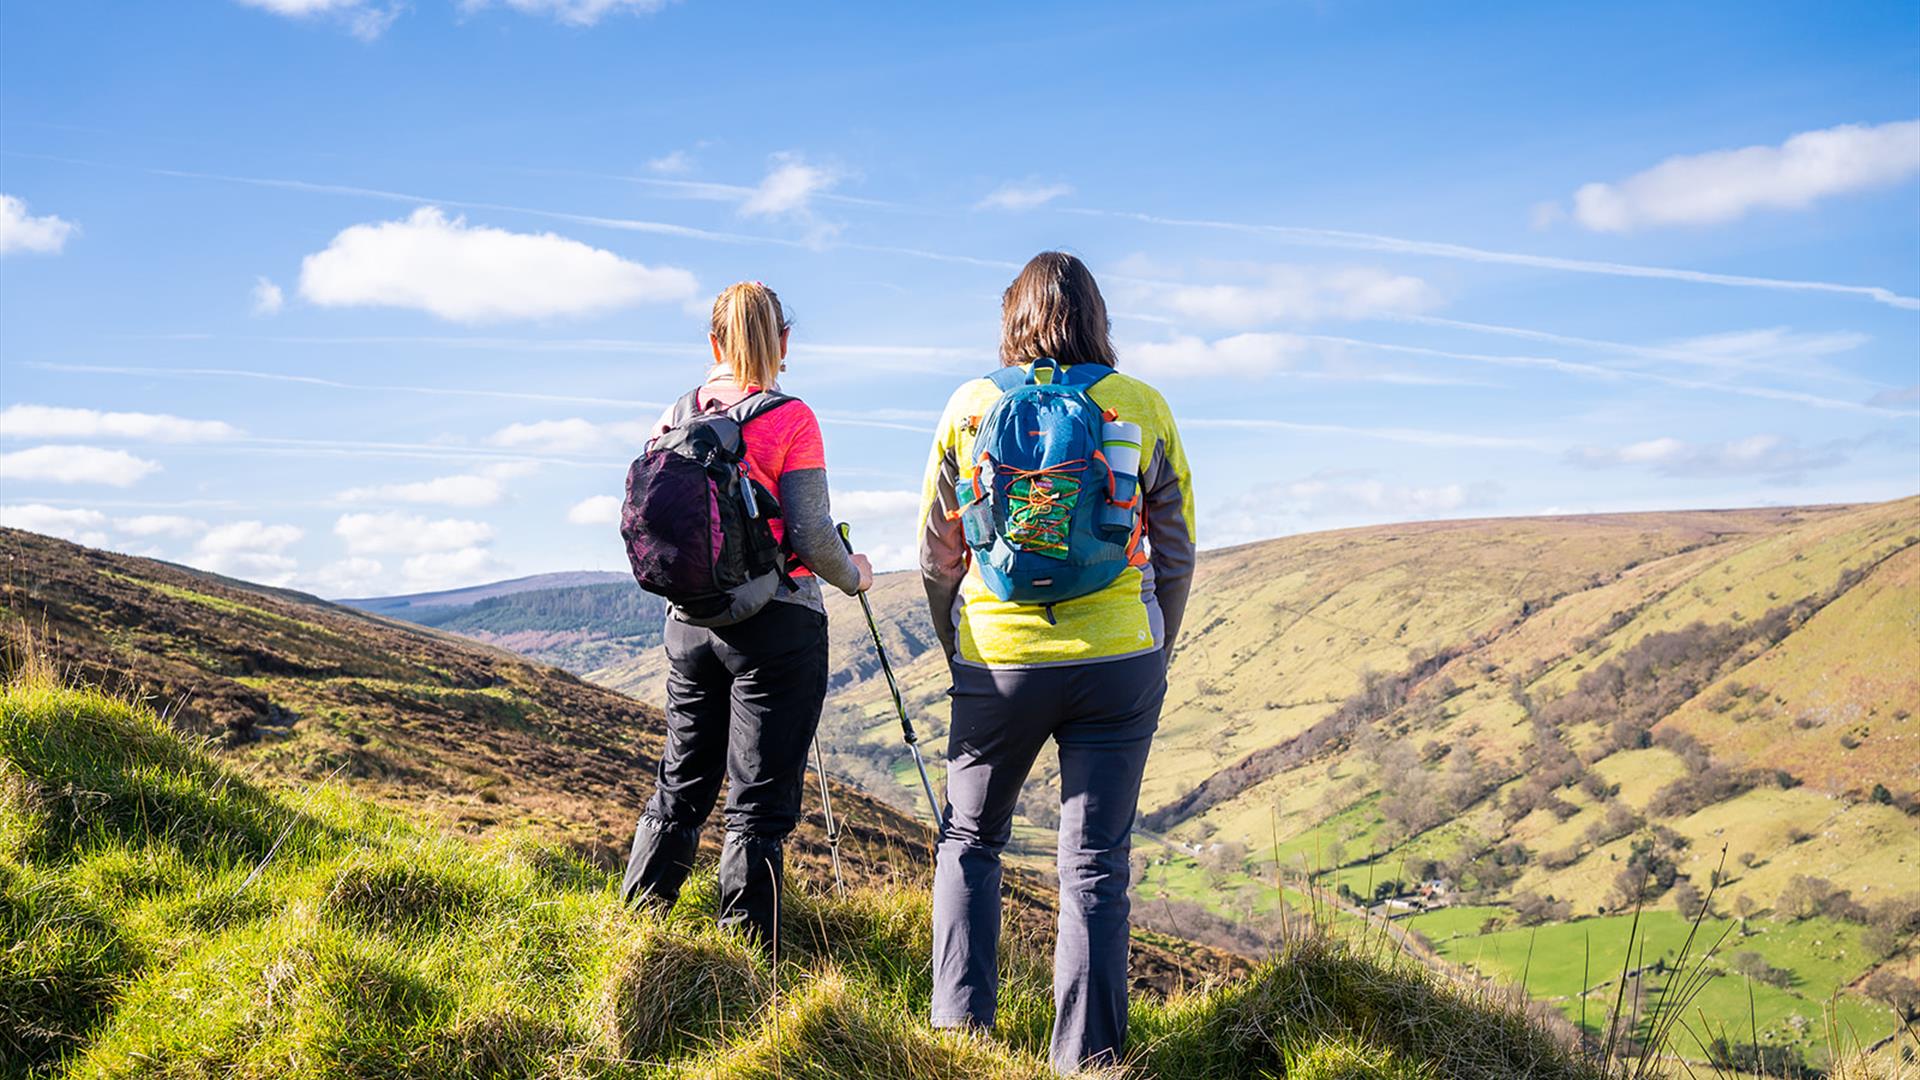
846, 535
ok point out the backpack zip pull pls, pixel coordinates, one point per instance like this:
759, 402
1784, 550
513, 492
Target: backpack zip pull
1051, 621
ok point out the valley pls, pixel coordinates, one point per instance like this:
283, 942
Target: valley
1557, 719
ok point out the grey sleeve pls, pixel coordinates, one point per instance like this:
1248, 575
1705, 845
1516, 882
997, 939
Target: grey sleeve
808, 515
943, 552
1169, 541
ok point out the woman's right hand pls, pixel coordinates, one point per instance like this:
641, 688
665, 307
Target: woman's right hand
865, 566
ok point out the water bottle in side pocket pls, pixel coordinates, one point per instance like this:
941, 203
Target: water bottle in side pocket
1120, 445
975, 512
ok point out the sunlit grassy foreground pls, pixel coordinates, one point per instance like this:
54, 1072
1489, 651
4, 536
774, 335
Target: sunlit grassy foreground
162, 915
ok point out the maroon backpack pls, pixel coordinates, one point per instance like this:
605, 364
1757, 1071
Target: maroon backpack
696, 524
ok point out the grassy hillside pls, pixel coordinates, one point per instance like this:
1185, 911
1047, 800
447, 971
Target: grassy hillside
478, 739
186, 919
1538, 711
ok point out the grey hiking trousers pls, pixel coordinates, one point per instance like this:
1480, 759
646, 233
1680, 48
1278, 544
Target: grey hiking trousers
1102, 716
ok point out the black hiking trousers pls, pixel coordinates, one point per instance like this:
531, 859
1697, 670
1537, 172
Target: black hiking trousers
743, 702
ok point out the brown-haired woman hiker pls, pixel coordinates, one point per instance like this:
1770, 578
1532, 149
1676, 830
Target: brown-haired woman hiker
1056, 548
727, 516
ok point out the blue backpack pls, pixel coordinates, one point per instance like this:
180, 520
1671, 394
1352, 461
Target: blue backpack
1037, 502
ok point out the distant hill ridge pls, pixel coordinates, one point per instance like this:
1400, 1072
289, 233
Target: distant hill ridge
473, 594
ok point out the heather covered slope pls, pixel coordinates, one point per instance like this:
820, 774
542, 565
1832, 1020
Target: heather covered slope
299, 689
185, 919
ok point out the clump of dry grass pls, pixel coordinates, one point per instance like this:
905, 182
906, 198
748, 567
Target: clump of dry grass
666, 991
834, 1029
392, 892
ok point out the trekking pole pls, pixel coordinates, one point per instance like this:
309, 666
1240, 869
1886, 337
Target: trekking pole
899, 703
826, 806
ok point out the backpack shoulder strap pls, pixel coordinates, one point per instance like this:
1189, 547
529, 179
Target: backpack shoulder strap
758, 403
1009, 378
684, 408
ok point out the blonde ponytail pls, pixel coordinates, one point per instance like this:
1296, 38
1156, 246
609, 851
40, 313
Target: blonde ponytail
747, 324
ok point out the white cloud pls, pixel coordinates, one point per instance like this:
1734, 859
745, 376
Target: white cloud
595, 510
1331, 500
1287, 293
571, 12
267, 297
572, 436
408, 534
170, 525
1770, 343
447, 569
789, 188
21, 231
463, 491
1725, 185
362, 19
483, 488
79, 526
56, 422
478, 274
76, 465
674, 163
253, 550
353, 576
885, 525
1240, 355
1756, 455
1316, 498
242, 536
1024, 195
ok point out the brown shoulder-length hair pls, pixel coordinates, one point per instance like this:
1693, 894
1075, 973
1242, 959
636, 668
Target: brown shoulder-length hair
1054, 308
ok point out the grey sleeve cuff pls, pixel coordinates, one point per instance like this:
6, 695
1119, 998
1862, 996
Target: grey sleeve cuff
808, 514
943, 556
1170, 543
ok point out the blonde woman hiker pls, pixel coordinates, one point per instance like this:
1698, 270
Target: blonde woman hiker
1056, 549
726, 515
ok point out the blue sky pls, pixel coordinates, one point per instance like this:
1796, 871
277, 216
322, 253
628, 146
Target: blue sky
366, 298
